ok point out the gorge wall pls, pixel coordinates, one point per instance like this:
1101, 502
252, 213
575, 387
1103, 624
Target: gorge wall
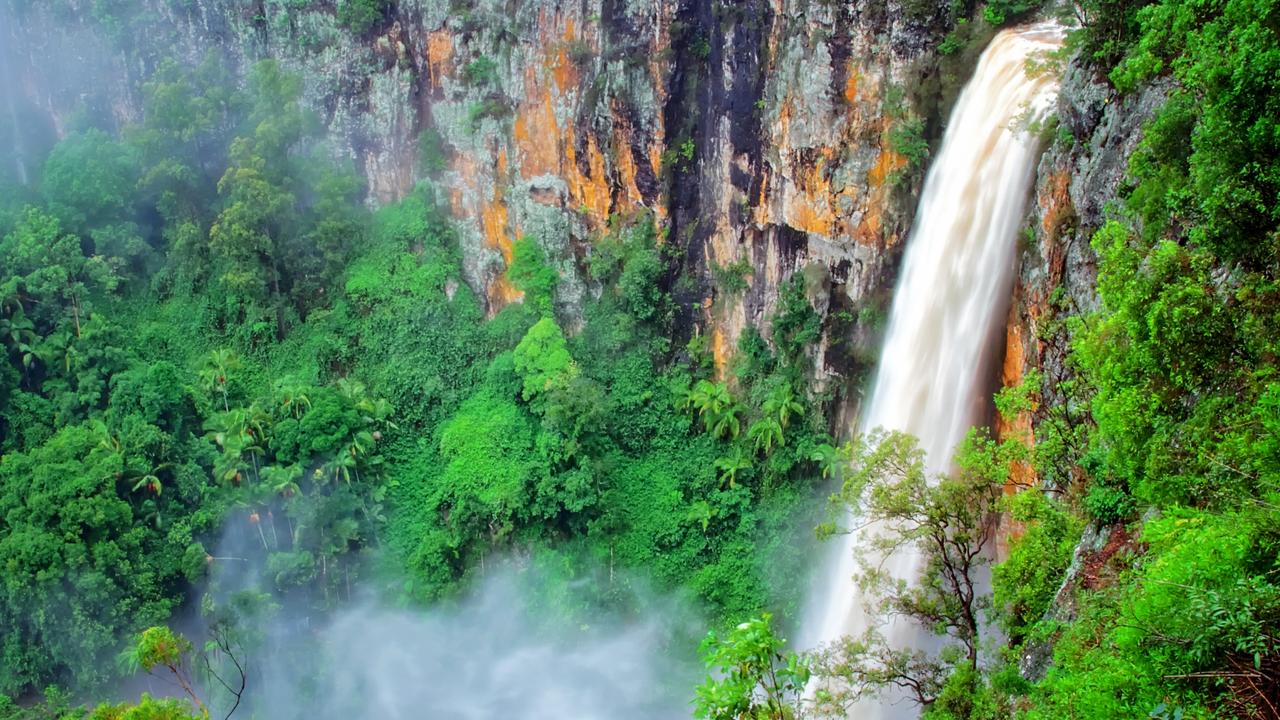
760, 131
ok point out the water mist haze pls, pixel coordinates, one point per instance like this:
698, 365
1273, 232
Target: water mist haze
521, 642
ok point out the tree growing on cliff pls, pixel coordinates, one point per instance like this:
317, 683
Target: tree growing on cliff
949, 521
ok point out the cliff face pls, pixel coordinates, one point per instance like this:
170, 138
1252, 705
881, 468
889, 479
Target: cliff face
1078, 178
755, 131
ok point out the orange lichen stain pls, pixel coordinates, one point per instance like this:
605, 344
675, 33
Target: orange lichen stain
1022, 474
655, 159
494, 219
869, 230
563, 71
1055, 204
589, 191
596, 195
886, 163
804, 213
783, 123
812, 207
851, 84
1057, 210
439, 55
493, 223
502, 293
762, 201
626, 166
720, 351
536, 136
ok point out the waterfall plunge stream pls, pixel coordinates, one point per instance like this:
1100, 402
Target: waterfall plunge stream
955, 279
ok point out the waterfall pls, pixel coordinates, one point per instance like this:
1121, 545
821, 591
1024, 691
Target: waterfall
9, 88
955, 280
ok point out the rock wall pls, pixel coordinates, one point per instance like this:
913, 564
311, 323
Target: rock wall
754, 130
1078, 178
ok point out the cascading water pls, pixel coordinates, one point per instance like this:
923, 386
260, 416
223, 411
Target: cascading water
957, 270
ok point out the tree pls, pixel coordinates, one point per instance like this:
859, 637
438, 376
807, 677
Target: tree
730, 466
160, 650
533, 275
542, 359
45, 269
754, 679
948, 521
244, 238
81, 567
89, 181
721, 414
215, 373
782, 404
765, 434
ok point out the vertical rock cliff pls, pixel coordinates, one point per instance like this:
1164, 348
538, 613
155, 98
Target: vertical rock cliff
765, 135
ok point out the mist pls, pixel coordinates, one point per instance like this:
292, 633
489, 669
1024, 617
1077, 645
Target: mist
522, 642
487, 659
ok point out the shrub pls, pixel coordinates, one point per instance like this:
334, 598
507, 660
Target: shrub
361, 16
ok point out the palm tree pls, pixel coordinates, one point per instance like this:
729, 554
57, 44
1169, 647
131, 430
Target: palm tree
150, 480
240, 432
707, 398
830, 458
782, 404
730, 466
726, 423
291, 396
765, 433
18, 333
58, 348
715, 405
283, 480
352, 390
214, 370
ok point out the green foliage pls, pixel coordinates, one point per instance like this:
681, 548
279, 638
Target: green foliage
147, 708
160, 646
948, 520
47, 274
542, 360
999, 12
1202, 603
732, 278
481, 71
1167, 413
754, 678
88, 181
433, 154
67, 601
361, 16
796, 325
532, 275
205, 334
1024, 585
492, 108
906, 137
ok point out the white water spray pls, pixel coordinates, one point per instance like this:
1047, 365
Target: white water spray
955, 278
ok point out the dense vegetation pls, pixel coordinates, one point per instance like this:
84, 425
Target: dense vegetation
1178, 368
214, 353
